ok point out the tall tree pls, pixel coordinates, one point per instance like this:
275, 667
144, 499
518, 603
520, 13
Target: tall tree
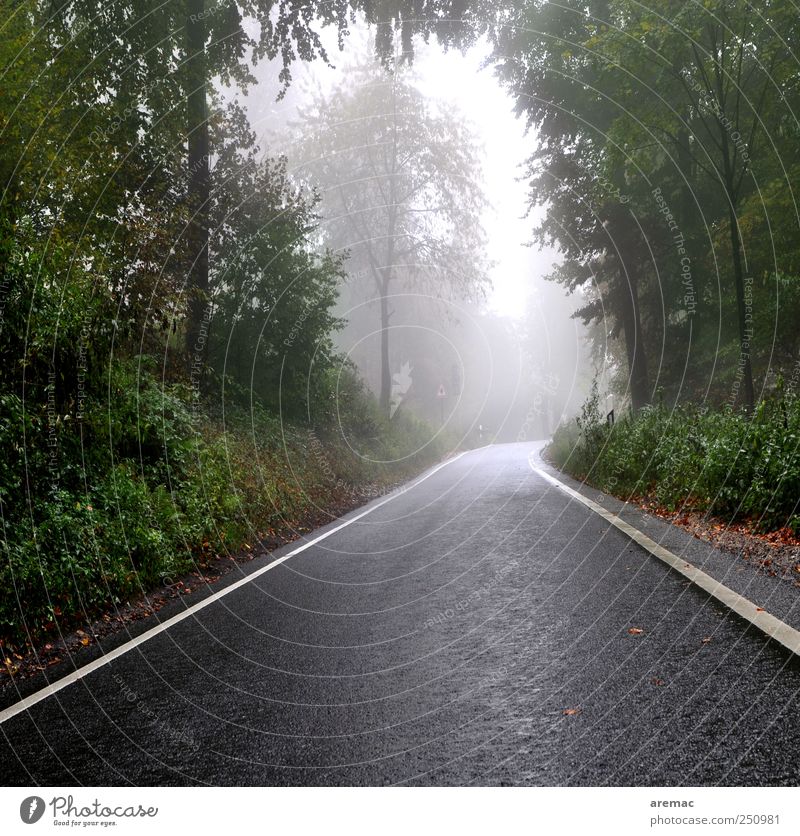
675, 94
606, 254
722, 67
541, 60
273, 290
151, 54
216, 44
401, 189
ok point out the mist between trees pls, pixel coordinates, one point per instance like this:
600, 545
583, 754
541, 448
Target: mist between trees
207, 339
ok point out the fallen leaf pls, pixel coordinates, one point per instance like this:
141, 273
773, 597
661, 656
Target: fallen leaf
635, 631
706, 640
657, 681
85, 641
569, 712
759, 609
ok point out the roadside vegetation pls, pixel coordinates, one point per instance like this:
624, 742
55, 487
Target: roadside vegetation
170, 389
728, 463
664, 173
142, 488
665, 176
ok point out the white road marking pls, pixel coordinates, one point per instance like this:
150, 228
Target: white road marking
775, 628
69, 679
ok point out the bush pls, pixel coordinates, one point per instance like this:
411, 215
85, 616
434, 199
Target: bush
144, 485
726, 462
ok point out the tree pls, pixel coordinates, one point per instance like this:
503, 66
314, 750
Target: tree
84, 211
606, 254
675, 94
151, 67
725, 69
273, 292
540, 60
401, 190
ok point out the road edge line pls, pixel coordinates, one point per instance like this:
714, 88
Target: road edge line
778, 630
76, 675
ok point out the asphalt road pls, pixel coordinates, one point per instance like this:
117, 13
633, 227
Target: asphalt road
472, 630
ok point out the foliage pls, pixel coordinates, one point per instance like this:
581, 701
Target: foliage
272, 321
402, 190
718, 460
664, 133
115, 476
161, 488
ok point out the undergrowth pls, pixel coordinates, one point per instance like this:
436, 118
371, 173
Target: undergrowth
742, 466
103, 503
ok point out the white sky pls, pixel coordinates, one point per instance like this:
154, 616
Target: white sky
459, 79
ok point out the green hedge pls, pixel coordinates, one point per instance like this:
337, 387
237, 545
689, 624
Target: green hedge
144, 484
720, 460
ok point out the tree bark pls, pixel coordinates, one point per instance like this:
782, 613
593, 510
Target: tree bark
386, 377
620, 228
199, 187
634, 342
745, 331
385, 400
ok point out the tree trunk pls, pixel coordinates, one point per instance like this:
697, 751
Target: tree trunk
634, 342
745, 331
386, 375
198, 188
388, 270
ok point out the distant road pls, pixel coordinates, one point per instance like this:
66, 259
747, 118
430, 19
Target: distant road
480, 627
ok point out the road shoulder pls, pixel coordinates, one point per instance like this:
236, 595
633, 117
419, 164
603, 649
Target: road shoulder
777, 594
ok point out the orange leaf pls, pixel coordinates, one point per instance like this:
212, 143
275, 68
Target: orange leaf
635, 631
569, 712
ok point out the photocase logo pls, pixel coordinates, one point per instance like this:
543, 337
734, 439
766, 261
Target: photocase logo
66, 811
31, 809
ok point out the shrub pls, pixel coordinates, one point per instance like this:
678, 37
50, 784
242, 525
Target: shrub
727, 462
144, 485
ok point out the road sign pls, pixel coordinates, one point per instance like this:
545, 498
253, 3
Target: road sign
441, 393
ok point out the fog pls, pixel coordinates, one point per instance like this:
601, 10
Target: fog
506, 362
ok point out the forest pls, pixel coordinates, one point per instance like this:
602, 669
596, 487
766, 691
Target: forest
212, 341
